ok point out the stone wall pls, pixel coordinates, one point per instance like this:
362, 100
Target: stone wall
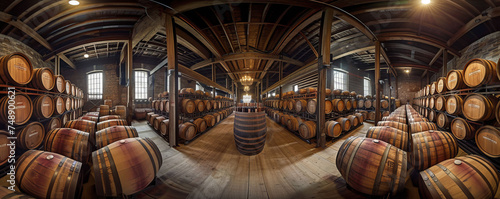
9, 45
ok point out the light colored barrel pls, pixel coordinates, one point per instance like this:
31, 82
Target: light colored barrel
43, 79
15, 69
478, 107
307, 129
455, 80
443, 121
479, 72
488, 139
311, 106
187, 131
454, 105
43, 107
338, 105
345, 123
23, 108
69, 142
333, 128
112, 122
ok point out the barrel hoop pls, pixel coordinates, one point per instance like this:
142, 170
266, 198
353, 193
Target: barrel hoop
149, 154
347, 144
105, 178
114, 172
396, 137
482, 176
382, 164
66, 192
428, 149
27, 166
481, 161
250, 131
54, 177
395, 169
404, 165
155, 148
438, 183
50, 140
451, 143
351, 159
460, 184
416, 150
74, 146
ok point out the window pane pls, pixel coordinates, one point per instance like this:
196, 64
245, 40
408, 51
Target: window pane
141, 85
95, 85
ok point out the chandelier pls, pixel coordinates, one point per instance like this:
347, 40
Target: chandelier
246, 88
246, 80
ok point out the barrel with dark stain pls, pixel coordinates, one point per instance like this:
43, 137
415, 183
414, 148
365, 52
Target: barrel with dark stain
48, 175
69, 142
250, 132
390, 135
31, 136
113, 122
112, 134
469, 176
432, 147
23, 108
372, 166
397, 125
119, 172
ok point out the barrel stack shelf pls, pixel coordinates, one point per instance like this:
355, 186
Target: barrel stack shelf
368, 106
221, 107
425, 107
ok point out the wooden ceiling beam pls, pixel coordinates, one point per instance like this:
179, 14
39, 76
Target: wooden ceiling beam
229, 41
266, 44
438, 54
67, 60
307, 68
7, 18
244, 56
404, 36
418, 66
180, 6
357, 50
408, 21
80, 44
234, 25
261, 26
310, 44
485, 16
12, 5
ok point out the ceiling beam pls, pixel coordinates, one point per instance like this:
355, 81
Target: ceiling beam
244, 56
485, 16
423, 67
202, 79
67, 60
438, 54
180, 6
424, 73
310, 44
304, 70
7, 18
357, 50
398, 36
80, 44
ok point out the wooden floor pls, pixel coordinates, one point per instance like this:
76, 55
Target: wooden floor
211, 167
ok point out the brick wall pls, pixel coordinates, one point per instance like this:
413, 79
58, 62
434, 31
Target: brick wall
407, 87
9, 45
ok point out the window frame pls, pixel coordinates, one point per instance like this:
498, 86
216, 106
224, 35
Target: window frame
344, 79
145, 84
95, 88
367, 86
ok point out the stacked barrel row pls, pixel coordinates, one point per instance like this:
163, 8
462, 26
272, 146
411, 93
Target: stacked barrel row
110, 148
188, 130
431, 150
468, 115
36, 102
192, 101
307, 128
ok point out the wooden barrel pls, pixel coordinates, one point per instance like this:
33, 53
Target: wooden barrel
354, 103
354, 120
56, 176
186, 91
200, 124
108, 102
90, 118
166, 105
112, 134
59, 105
31, 136
416, 127
338, 105
348, 104
43, 107
311, 90
478, 72
455, 80
7, 193
293, 123
462, 129
311, 106
368, 103
15, 69
112, 122
417, 119
345, 123
116, 170
4, 147
187, 131
60, 84
454, 105
333, 128
487, 139
69, 142
433, 88
209, 120
121, 111
394, 118
199, 105
291, 105
217, 117
307, 129
432, 147
328, 91
157, 121
371, 115
441, 85
300, 105
111, 117
432, 115
250, 132
82, 125
328, 106
397, 125
164, 127
208, 105
384, 103
65, 118
372, 155
284, 119
361, 117
479, 107
432, 102
390, 135
68, 103
440, 103
23, 108
188, 106
443, 121
53, 123
199, 92
469, 176
43, 79
68, 89
103, 110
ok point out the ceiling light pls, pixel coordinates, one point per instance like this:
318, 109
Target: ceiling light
86, 55
74, 2
407, 71
425, 2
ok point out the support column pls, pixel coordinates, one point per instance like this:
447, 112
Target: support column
57, 67
281, 77
445, 63
130, 87
390, 92
173, 71
214, 78
323, 63
377, 83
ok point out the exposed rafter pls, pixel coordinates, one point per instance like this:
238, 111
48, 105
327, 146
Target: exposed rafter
244, 56
398, 36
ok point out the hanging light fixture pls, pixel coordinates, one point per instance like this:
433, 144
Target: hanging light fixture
246, 80
246, 88
74, 2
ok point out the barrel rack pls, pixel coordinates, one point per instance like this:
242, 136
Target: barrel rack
469, 146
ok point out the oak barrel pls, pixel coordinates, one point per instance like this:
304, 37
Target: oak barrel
479, 72
164, 127
4, 147
394, 118
200, 105
354, 120
68, 89
200, 124
60, 84
328, 106
69, 142
396, 125
469, 176
188, 106
333, 128
300, 105
112, 122
311, 106
121, 111
348, 104
454, 105
210, 120
455, 80
53, 123
384, 103
478, 107
157, 121
361, 117
43, 79
443, 121
68, 103
112, 134
361, 103
441, 85
391, 135
440, 103
15, 69
22, 106
293, 123
43, 107
487, 139
416, 127
432, 147
103, 110
462, 129
372, 166
56, 176
116, 170
345, 123
368, 103
82, 125
250, 132
31, 136
110, 117
307, 129
186, 91
338, 105
60, 106
187, 131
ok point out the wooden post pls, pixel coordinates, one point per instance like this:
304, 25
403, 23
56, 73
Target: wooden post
214, 79
390, 91
130, 77
396, 86
445, 62
377, 83
173, 70
281, 77
57, 67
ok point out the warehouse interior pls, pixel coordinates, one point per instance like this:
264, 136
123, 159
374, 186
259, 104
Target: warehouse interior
250, 98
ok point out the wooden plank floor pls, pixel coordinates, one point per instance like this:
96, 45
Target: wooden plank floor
211, 167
